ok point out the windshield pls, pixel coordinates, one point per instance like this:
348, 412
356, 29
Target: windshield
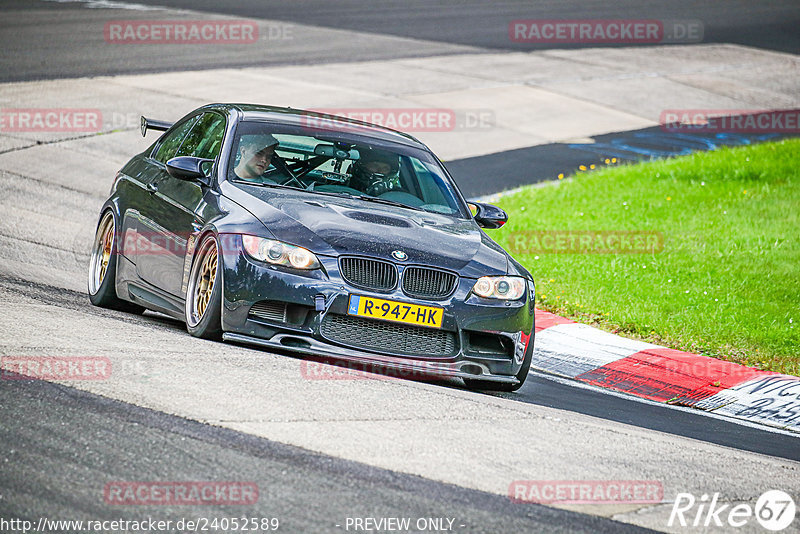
336, 163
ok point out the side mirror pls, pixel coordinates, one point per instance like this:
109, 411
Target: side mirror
190, 168
488, 216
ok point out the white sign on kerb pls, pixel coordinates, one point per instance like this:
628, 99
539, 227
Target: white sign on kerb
770, 399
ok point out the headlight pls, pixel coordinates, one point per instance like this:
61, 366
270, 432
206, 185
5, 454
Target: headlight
500, 287
279, 253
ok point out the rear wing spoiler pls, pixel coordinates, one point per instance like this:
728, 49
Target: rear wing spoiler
153, 124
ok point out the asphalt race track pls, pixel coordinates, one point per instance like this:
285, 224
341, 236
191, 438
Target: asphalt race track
545, 162
112, 435
39, 45
320, 451
771, 25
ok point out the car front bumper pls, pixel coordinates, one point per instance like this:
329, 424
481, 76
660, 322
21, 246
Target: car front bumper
488, 339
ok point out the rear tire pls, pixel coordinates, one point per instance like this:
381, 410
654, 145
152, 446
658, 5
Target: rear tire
203, 309
103, 268
522, 374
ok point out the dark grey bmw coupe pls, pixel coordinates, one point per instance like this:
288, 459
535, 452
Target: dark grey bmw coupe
318, 234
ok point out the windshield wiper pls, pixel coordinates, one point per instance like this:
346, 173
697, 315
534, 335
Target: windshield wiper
388, 202
385, 201
262, 184
340, 194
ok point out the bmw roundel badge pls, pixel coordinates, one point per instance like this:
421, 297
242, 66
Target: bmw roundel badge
399, 255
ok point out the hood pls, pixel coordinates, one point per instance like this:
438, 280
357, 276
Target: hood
334, 226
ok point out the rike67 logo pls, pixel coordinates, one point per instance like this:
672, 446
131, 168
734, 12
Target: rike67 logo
774, 510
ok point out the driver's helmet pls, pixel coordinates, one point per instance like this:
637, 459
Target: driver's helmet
375, 172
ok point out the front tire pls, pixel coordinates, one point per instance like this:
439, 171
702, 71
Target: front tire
203, 308
103, 268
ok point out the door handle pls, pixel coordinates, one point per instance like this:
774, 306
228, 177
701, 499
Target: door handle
152, 187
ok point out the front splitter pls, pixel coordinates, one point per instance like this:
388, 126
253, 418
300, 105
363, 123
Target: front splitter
408, 367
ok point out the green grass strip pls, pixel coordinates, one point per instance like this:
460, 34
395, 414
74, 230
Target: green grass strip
726, 282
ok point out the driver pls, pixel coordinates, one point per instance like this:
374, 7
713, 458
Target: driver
254, 156
375, 172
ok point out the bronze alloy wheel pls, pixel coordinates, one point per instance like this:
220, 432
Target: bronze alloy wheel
202, 280
101, 252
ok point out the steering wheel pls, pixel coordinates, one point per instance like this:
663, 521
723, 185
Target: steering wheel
380, 187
